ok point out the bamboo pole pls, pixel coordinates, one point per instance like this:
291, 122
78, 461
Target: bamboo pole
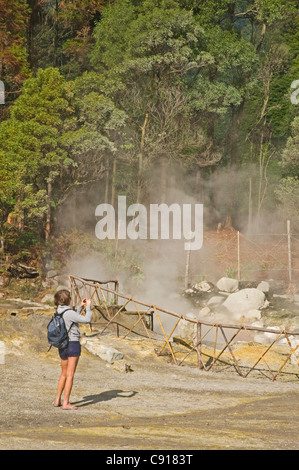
198, 347
95, 286
165, 336
187, 266
136, 323
191, 320
144, 326
111, 319
264, 353
230, 349
170, 334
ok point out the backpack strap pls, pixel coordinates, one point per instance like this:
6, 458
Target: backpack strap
62, 316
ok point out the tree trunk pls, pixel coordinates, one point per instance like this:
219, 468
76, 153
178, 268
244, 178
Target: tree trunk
249, 223
163, 180
113, 180
107, 180
55, 39
234, 156
140, 159
48, 218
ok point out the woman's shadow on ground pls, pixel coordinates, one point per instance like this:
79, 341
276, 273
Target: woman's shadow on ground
104, 396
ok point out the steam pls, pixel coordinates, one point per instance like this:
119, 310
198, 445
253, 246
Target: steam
158, 275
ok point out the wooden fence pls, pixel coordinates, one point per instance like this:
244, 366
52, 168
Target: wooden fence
256, 256
208, 345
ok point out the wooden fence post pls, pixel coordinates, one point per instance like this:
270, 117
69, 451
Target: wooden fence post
238, 247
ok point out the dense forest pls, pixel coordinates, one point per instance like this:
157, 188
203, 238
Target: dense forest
158, 100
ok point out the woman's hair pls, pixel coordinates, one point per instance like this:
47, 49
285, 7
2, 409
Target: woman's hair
62, 297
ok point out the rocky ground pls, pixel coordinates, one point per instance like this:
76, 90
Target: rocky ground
154, 405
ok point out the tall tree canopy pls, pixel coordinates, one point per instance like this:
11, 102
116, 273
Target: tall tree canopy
140, 97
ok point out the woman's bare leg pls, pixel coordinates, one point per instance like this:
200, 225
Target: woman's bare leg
70, 371
61, 382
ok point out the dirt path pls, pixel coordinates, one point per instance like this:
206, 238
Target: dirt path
157, 406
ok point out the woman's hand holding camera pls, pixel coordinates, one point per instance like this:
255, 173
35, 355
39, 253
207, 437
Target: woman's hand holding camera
86, 302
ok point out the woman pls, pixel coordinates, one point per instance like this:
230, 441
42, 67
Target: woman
70, 355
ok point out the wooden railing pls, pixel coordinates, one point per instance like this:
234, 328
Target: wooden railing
211, 343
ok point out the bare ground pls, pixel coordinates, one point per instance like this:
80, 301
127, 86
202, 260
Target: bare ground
156, 406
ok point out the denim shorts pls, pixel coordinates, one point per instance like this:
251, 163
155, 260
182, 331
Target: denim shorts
73, 350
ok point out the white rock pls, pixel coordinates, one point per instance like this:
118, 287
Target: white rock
295, 356
215, 300
227, 284
106, 353
267, 337
239, 303
189, 291
187, 329
264, 286
203, 286
253, 314
205, 311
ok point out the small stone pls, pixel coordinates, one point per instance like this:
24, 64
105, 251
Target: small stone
227, 284
264, 286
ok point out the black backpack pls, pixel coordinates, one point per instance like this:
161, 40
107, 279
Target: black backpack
57, 332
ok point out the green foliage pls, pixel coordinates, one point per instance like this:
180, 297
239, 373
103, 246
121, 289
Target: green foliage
116, 96
14, 66
290, 157
30, 143
288, 196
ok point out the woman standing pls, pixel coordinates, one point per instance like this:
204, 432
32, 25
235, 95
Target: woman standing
70, 355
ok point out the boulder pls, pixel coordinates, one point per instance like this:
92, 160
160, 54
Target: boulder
241, 302
203, 286
187, 329
266, 337
215, 300
227, 284
106, 353
204, 312
253, 314
264, 286
295, 347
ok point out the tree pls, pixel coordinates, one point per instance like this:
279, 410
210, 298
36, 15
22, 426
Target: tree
243, 38
55, 141
287, 194
290, 157
14, 67
33, 158
60, 34
94, 135
146, 51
